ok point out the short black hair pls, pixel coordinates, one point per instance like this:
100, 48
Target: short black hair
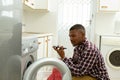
78, 27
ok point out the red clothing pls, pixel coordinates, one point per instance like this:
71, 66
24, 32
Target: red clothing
56, 75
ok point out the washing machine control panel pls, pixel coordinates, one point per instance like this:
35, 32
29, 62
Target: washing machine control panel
29, 45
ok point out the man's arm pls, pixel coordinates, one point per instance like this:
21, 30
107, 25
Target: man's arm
60, 51
84, 63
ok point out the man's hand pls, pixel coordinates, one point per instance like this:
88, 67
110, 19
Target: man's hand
60, 51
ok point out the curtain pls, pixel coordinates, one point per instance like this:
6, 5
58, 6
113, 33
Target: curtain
72, 12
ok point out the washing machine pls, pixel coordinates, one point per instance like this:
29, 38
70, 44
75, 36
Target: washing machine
29, 52
30, 73
110, 49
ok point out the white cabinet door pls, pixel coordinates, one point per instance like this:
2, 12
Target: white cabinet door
37, 4
109, 5
49, 50
45, 47
44, 50
48, 46
41, 48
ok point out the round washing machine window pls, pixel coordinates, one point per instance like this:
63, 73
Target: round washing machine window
113, 58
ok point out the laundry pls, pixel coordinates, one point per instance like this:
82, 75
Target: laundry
55, 75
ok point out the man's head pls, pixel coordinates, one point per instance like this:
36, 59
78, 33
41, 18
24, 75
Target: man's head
77, 34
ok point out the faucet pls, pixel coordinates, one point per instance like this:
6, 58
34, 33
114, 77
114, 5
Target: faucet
30, 73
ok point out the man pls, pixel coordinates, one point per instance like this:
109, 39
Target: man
87, 63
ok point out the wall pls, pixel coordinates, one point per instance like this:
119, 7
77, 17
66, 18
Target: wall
40, 21
104, 23
46, 22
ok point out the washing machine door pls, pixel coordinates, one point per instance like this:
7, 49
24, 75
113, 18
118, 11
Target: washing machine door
30, 73
113, 58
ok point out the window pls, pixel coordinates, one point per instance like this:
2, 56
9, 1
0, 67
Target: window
71, 12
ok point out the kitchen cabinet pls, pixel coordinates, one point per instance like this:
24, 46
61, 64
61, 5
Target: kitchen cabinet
48, 46
37, 4
109, 5
41, 47
44, 50
45, 46
44, 43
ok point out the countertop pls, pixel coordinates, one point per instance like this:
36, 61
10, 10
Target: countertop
35, 34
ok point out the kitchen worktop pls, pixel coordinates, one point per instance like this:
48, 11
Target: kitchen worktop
36, 34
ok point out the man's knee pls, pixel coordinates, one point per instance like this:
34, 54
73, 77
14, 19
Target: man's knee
83, 78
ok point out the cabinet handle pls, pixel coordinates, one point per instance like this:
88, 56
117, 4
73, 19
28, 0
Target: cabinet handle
47, 40
26, 0
32, 4
39, 42
104, 6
